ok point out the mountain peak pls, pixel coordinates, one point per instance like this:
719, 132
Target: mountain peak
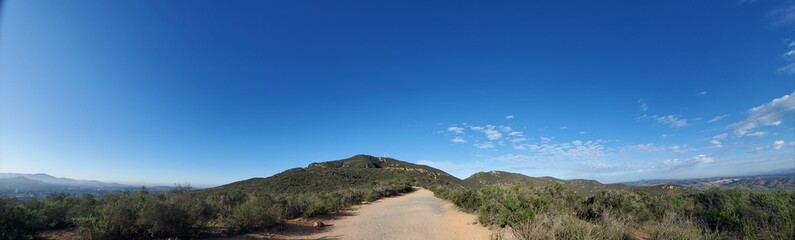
357, 170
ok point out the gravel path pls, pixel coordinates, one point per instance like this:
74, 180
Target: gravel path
416, 215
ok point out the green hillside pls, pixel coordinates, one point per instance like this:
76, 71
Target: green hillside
354, 172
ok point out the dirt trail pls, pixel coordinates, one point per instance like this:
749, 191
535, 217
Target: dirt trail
416, 215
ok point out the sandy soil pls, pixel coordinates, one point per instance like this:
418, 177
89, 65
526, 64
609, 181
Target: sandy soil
416, 215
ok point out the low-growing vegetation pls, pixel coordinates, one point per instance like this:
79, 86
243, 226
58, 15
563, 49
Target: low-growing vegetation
532, 208
556, 212
181, 213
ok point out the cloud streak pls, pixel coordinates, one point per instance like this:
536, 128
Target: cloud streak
486, 145
672, 121
456, 130
768, 114
718, 118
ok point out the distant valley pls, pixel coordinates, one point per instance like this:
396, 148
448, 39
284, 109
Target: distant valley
21, 185
784, 179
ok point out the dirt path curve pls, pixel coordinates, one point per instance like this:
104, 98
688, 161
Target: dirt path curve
416, 215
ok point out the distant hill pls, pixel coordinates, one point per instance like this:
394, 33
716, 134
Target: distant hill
359, 170
784, 180
482, 179
583, 186
45, 178
21, 182
21, 185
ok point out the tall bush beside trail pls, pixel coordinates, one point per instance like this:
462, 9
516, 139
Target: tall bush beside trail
621, 203
554, 226
172, 215
257, 212
676, 226
749, 214
318, 204
466, 199
120, 214
492, 211
53, 212
222, 204
91, 227
16, 221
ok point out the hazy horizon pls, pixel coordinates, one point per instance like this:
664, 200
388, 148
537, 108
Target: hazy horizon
210, 93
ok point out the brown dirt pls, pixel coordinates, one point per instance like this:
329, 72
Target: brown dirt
416, 215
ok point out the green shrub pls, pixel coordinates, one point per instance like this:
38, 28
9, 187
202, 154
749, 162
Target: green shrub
621, 203
173, 215
16, 221
90, 228
673, 226
257, 212
120, 214
548, 226
466, 199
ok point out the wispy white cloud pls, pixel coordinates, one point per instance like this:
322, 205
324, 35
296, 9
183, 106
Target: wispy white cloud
516, 134
716, 140
672, 121
653, 148
493, 134
768, 114
757, 134
716, 143
564, 128
505, 129
509, 117
518, 140
702, 93
486, 145
700, 160
787, 69
456, 130
648, 147
778, 144
583, 133
458, 140
784, 15
789, 58
575, 150
512, 158
718, 118
672, 162
643, 106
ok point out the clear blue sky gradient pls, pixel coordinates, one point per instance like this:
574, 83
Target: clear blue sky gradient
210, 92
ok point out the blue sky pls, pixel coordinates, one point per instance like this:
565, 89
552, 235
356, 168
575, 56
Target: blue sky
211, 92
